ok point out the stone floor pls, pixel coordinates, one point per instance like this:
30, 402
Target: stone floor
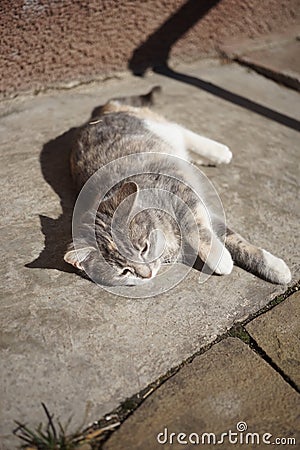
275, 56
81, 350
229, 387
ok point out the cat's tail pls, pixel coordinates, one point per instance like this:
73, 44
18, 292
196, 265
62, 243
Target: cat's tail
256, 260
140, 100
137, 101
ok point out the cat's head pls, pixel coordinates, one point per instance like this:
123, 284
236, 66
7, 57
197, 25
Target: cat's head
128, 252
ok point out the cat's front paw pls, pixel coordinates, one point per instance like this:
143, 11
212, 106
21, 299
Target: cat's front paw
225, 264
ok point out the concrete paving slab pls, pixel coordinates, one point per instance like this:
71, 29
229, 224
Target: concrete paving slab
72, 345
277, 56
281, 63
227, 388
277, 332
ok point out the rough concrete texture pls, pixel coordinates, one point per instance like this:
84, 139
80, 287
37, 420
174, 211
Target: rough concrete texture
212, 395
278, 333
45, 42
275, 56
64, 340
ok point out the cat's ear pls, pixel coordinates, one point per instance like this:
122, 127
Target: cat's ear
76, 257
126, 190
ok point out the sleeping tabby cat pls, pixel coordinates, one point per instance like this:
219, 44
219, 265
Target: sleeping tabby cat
132, 249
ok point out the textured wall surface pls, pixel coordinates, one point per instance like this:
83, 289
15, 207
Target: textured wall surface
46, 42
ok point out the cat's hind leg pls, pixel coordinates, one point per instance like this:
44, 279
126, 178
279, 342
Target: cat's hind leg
257, 260
182, 140
208, 148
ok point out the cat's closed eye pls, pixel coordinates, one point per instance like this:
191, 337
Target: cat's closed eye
127, 271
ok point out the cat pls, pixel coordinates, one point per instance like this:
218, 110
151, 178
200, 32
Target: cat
131, 250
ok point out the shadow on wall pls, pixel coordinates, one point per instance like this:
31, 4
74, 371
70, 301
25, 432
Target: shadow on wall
154, 54
158, 45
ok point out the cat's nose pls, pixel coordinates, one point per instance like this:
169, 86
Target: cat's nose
144, 271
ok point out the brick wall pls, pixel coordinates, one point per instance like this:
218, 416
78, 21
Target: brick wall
48, 42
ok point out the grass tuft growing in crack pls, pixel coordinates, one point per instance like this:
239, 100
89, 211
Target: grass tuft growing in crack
53, 436
239, 331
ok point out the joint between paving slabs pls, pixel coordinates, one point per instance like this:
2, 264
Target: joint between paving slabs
130, 405
241, 333
276, 301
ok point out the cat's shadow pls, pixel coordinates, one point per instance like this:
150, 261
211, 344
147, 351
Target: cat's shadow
54, 160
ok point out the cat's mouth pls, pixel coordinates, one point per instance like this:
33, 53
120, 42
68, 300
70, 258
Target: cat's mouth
142, 278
